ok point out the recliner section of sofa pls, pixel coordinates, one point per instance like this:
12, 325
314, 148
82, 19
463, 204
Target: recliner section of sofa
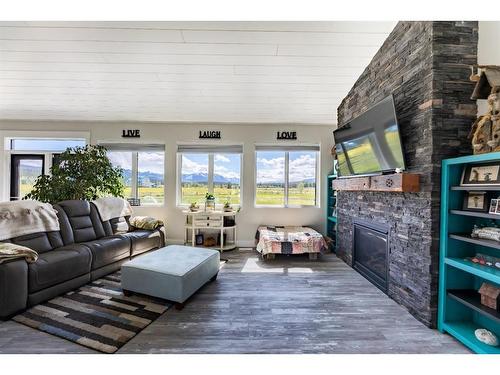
84, 249
80, 223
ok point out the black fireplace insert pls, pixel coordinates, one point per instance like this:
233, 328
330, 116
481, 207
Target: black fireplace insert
371, 252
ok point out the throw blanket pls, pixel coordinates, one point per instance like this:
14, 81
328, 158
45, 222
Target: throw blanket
112, 207
10, 251
19, 218
289, 240
145, 222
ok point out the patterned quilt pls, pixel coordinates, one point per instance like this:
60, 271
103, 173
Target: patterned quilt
288, 240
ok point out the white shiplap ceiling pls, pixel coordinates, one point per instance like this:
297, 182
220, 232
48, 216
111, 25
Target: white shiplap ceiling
240, 72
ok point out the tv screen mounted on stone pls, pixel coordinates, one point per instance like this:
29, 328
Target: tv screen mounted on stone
370, 144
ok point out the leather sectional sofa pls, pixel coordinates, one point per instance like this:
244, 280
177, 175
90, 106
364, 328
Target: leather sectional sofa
84, 249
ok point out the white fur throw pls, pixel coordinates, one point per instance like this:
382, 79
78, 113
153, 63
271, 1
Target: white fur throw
10, 251
19, 218
112, 207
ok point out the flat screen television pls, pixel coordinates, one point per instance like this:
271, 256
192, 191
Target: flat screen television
370, 144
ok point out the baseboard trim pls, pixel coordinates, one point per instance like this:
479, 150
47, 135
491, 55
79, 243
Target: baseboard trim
242, 243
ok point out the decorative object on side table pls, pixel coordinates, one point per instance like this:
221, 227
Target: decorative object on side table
209, 242
209, 202
476, 201
486, 233
199, 239
486, 337
229, 221
193, 207
485, 174
227, 206
490, 296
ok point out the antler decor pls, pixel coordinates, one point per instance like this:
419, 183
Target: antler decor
485, 132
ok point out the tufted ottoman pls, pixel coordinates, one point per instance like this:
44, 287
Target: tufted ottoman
173, 272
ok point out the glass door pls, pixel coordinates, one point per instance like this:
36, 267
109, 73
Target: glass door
24, 170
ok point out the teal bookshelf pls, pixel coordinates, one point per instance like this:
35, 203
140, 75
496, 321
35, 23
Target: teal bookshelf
460, 310
331, 212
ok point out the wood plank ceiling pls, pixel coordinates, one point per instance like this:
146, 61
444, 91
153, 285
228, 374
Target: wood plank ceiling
296, 72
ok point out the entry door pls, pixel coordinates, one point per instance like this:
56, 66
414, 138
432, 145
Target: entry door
24, 170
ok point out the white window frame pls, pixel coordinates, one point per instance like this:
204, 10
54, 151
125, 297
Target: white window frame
210, 185
6, 136
286, 151
134, 187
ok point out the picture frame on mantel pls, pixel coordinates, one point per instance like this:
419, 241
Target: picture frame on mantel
485, 174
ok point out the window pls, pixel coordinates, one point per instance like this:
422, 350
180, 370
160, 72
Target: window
216, 170
44, 144
30, 157
286, 177
150, 177
123, 159
143, 171
194, 177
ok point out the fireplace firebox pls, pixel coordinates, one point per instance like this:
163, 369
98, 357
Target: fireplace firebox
371, 252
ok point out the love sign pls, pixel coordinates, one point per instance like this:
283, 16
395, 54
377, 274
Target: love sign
131, 133
286, 135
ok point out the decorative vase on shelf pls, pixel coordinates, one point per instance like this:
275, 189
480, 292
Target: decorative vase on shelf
209, 202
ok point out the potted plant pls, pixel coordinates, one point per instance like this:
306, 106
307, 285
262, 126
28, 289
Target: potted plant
209, 202
80, 173
193, 207
227, 206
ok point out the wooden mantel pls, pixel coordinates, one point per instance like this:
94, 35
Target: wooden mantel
396, 182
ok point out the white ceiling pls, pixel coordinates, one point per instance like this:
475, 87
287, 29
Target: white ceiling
182, 71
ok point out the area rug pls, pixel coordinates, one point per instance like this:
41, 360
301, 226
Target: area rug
97, 315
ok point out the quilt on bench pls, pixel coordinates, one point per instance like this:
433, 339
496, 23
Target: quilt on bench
289, 240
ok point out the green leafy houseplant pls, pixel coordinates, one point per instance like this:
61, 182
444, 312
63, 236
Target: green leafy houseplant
227, 205
80, 173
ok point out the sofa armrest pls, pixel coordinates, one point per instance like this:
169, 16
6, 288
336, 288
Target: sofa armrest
163, 235
13, 287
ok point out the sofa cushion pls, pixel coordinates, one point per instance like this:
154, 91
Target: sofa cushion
82, 219
40, 242
108, 250
57, 266
143, 240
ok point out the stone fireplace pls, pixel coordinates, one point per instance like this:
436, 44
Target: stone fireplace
425, 65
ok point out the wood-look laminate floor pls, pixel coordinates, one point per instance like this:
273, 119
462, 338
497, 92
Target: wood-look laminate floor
289, 305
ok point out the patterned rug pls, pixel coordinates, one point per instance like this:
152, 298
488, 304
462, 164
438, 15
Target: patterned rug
97, 315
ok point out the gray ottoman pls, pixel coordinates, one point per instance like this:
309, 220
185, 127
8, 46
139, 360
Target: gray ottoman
173, 273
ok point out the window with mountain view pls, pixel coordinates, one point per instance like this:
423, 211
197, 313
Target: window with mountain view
194, 178
123, 159
143, 174
150, 177
286, 178
210, 172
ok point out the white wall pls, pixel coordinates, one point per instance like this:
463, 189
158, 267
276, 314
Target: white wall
488, 51
172, 134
